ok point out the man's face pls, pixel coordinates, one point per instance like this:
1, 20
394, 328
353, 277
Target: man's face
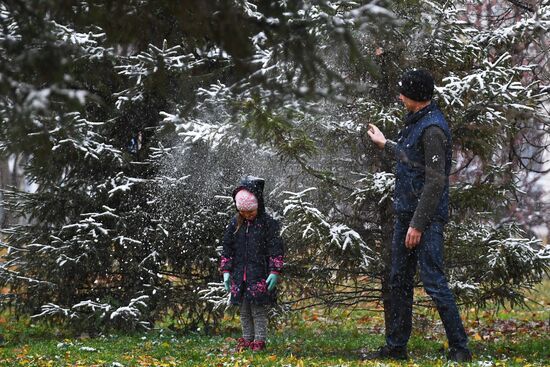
407, 102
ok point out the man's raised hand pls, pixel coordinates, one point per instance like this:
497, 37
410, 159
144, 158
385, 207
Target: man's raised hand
376, 136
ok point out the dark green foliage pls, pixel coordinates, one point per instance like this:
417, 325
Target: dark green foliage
136, 118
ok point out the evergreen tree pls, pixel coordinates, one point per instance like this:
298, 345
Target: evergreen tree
136, 118
110, 238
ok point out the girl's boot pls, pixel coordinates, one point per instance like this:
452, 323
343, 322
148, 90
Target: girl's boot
243, 344
257, 345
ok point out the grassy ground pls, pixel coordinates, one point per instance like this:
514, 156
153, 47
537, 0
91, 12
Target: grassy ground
498, 338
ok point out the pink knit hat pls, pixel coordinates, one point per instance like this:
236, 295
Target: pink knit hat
245, 200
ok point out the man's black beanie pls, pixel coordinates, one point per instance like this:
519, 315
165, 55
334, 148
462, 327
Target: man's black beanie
417, 84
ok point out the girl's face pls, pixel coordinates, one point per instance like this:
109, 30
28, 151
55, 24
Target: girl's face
249, 214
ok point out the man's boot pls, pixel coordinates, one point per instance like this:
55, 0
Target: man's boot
459, 355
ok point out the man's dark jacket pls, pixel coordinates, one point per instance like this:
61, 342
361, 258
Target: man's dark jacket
411, 167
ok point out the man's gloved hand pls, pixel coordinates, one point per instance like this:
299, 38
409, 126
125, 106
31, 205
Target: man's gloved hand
226, 281
271, 281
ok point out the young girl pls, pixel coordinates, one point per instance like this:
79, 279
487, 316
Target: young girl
252, 260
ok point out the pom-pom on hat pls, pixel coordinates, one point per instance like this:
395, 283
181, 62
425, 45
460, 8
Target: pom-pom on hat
245, 200
417, 84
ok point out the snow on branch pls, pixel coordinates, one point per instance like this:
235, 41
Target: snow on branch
520, 250
196, 130
316, 226
215, 294
87, 140
88, 225
492, 80
364, 14
505, 249
147, 63
380, 185
8, 273
131, 313
9, 27
93, 306
537, 22
216, 93
122, 183
89, 42
108, 213
38, 99
50, 309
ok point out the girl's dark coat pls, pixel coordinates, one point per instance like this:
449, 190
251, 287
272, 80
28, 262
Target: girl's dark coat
253, 251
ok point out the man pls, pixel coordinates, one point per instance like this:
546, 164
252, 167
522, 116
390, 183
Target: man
421, 200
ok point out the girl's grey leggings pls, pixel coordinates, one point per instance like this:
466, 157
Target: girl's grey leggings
253, 321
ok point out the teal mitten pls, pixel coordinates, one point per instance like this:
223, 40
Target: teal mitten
271, 281
226, 281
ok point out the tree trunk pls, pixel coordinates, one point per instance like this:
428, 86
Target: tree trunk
10, 179
5, 181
